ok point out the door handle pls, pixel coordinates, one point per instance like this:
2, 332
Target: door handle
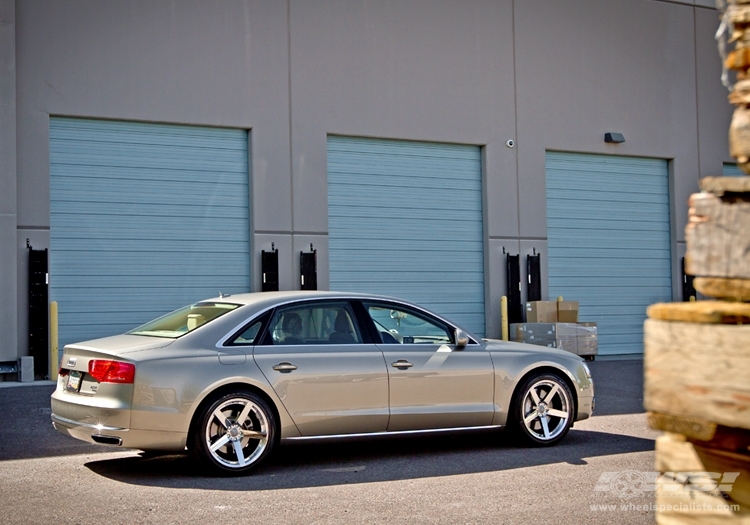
402, 363
285, 367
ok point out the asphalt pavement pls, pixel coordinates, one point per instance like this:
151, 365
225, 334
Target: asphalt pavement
476, 477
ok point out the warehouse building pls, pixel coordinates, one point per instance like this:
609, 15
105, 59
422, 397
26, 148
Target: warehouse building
156, 149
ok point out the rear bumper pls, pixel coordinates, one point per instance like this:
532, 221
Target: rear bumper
120, 437
107, 423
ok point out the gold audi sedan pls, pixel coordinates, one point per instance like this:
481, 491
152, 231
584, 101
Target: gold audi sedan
227, 378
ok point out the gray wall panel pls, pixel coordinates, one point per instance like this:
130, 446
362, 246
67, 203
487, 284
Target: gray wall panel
421, 70
585, 67
218, 63
713, 117
9, 290
8, 270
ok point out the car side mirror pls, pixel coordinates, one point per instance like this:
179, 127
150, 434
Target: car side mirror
462, 339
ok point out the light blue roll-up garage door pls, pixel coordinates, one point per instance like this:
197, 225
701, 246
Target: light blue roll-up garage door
609, 242
145, 218
730, 169
405, 219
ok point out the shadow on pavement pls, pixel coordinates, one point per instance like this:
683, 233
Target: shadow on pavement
387, 459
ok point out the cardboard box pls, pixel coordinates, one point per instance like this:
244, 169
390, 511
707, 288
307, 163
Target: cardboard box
567, 311
588, 344
541, 312
576, 338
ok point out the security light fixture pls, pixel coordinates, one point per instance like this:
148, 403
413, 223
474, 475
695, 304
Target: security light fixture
614, 138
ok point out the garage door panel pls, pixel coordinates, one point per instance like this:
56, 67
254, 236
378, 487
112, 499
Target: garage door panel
577, 177
359, 216
387, 179
358, 259
624, 282
609, 212
609, 241
627, 300
625, 240
155, 193
583, 225
606, 266
144, 219
597, 198
605, 164
603, 253
405, 219
137, 173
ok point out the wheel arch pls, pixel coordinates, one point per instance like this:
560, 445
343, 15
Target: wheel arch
228, 388
547, 369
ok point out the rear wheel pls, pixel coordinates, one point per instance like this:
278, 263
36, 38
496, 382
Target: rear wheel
235, 433
542, 410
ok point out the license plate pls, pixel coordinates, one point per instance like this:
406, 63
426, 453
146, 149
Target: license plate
74, 381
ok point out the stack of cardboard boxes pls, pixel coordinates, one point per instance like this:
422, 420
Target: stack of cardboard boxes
555, 324
697, 367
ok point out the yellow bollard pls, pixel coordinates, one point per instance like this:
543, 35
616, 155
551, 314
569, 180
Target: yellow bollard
53, 341
504, 316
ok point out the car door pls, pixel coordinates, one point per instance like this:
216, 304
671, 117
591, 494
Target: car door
330, 378
433, 384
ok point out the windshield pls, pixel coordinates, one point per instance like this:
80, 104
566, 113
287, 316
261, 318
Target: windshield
184, 320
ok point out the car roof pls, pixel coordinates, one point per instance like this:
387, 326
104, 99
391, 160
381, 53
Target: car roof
260, 301
257, 298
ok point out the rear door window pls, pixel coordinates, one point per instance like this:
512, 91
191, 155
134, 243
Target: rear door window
315, 324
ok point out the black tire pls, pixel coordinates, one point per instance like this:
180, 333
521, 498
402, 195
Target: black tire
541, 418
246, 443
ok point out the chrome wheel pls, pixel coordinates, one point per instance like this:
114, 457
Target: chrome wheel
237, 432
545, 410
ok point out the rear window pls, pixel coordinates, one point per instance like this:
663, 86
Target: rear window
184, 320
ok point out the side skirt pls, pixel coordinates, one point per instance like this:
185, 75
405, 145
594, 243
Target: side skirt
391, 433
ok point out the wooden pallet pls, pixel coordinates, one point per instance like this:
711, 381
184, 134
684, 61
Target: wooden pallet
702, 432
721, 185
717, 235
731, 289
697, 361
708, 312
687, 462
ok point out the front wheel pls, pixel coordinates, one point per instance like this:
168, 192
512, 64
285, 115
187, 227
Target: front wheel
235, 433
542, 411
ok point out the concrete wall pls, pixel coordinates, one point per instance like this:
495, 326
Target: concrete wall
8, 219
550, 74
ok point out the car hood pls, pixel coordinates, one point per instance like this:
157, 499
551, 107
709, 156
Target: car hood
122, 344
498, 345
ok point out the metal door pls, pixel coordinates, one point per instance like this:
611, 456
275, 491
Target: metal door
405, 219
145, 218
609, 241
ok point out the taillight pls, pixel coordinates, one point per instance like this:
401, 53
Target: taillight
111, 371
